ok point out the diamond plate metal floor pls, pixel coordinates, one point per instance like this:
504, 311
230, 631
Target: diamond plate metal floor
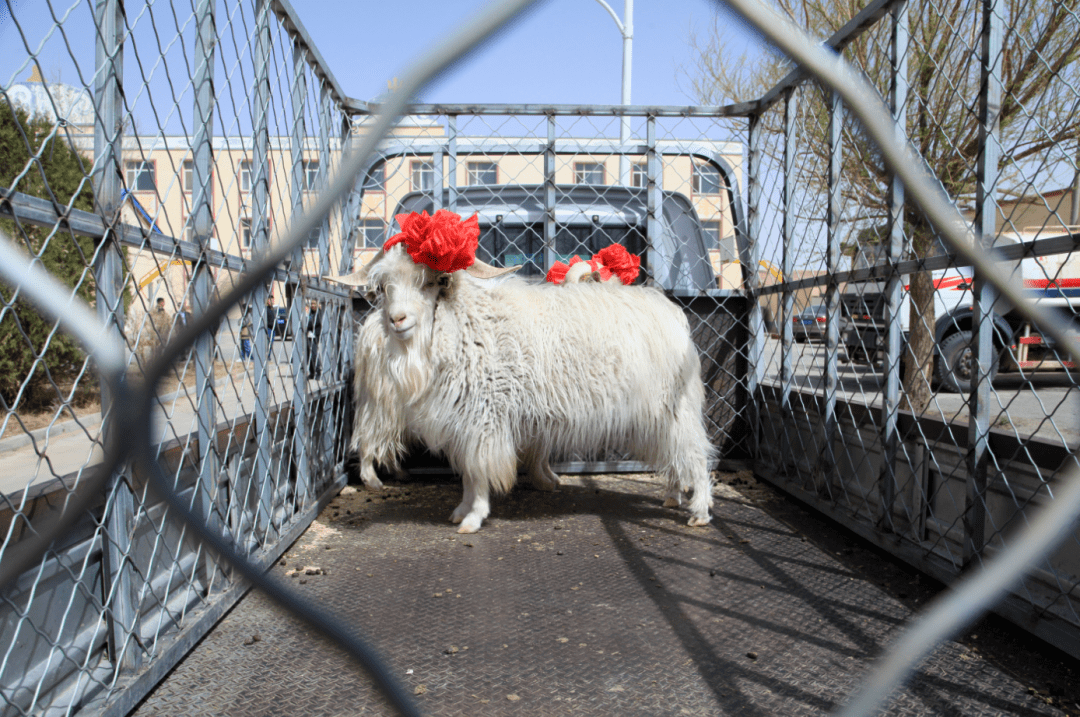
591, 601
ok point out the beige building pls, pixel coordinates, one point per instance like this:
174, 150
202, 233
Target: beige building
159, 189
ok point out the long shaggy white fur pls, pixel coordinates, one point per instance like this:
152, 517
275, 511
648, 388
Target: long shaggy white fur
490, 376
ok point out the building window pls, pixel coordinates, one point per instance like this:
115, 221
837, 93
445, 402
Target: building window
189, 175
311, 174
706, 179
375, 180
140, 176
373, 232
712, 233
588, 173
639, 175
312, 241
479, 173
245, 175
423, 176
245, 233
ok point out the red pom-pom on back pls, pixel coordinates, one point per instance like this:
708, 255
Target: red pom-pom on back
622, 263
557, 273
443, 241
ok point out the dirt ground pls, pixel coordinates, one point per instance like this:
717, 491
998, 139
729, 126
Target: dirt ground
1048, 674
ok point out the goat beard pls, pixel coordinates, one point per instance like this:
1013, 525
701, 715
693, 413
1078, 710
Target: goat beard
409, 366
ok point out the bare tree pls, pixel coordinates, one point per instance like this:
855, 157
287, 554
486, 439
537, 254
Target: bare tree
1039, 117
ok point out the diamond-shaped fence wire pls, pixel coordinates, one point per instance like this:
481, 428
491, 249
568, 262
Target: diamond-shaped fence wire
845, 349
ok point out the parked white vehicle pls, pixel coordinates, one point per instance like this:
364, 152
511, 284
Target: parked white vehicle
1049, 280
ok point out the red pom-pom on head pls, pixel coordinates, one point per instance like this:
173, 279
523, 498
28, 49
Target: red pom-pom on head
442, 241
622, 263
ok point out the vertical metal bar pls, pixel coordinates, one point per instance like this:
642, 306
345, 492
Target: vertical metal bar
300, 431
351, 218
549, 194
978, 455
832, 297
437, 179
203, 232
324, 173
259, 239
755, 368
894, 252
787, 374
108, 278
451, 170
654, 172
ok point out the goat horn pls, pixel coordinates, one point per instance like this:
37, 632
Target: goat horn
483, 270
358, 277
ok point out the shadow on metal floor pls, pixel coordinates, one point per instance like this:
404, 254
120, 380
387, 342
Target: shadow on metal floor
593, 600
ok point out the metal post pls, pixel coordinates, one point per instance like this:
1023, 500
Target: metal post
828, 478
451, 170
259, 239
978, 455
627, 62
437, 179
352, 207
203, 231
108, 278
324, 174
654, 180
787, 374
549, 194
296, 311
755, 368
894, 252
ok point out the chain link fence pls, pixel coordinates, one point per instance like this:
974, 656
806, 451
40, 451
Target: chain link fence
847, 348
909, 401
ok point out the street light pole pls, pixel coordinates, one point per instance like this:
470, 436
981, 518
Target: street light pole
626, 27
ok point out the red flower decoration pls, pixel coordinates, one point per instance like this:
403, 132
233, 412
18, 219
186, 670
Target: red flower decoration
622, 263
557, 273
443, 241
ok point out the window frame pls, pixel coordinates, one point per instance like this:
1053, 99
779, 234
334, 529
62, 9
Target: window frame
697, 182
421, 167
579, 173
470, 174
367, 222
152, 163
245, 246
240, 176
310, 180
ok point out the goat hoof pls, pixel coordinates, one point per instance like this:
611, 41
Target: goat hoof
459, 514
671, 502
698, 522
469, 526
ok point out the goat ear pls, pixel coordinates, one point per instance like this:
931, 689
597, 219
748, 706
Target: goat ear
483, 270
359, 277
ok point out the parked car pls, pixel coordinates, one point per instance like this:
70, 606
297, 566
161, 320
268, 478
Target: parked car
810, 324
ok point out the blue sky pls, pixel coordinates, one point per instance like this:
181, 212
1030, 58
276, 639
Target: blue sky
564, 51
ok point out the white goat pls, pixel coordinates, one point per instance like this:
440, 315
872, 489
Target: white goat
490, 376
379, 429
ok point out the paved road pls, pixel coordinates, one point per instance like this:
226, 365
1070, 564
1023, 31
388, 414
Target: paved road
1046, 405
56, 456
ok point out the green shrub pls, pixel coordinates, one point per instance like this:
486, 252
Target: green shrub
39, 365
